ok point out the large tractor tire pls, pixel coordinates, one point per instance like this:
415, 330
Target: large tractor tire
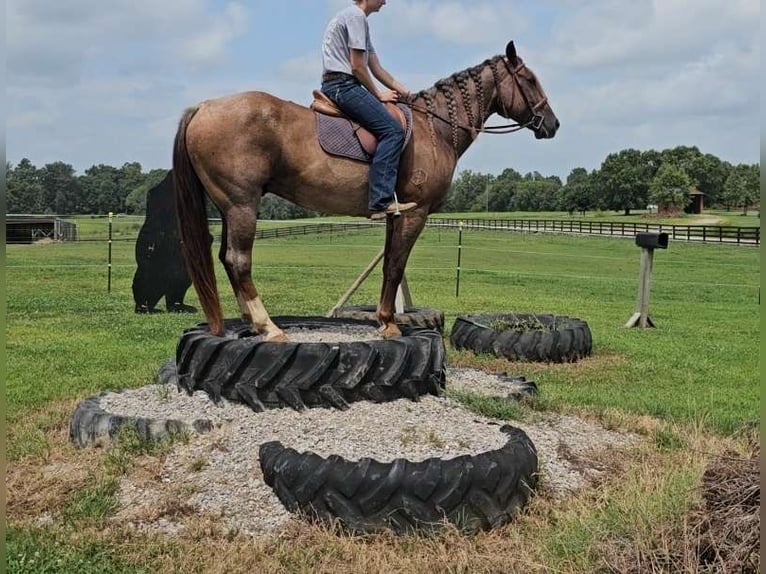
241, 367
412, 316
473, 492
91, 424
524, 336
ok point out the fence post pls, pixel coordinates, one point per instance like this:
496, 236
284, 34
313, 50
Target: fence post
459, 251
109, 259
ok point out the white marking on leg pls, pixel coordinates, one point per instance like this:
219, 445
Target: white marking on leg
262, 323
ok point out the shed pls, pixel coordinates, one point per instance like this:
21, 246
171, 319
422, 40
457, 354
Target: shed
31, 228
696, 202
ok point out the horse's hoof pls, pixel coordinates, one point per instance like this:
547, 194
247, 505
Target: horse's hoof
390, 331
276, 337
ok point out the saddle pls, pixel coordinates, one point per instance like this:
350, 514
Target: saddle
339, 135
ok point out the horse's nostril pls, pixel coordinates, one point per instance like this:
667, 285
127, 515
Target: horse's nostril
558, 124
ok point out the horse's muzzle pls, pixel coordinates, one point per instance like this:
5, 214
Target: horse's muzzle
544, 131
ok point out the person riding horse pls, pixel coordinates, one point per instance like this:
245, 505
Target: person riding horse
348, 57
278, 151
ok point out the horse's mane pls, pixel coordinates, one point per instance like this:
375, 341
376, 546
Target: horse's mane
455, 79
446, 87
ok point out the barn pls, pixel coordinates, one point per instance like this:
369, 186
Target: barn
31, 228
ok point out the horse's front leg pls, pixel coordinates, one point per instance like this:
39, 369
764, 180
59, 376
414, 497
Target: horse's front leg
401, 234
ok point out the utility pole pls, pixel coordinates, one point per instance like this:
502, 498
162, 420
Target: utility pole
486, 191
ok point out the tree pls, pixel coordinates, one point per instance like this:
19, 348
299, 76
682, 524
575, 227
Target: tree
502, 190
708, 174
275, 207
468, 192
669, 189
624, 180
129, 178
135, 202
61, 188
742, 187
24, 190
100, 189
537, 193
578, 193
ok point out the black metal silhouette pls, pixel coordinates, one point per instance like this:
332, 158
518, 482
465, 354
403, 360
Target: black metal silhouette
161, 269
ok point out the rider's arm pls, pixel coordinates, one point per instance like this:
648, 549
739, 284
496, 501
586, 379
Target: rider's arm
362, 73
384, 77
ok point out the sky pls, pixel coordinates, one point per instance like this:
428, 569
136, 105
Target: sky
92, 82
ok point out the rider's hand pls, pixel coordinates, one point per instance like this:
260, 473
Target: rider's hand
389, 96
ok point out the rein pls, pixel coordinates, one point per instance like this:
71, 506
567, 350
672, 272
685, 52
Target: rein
499, 129
535, 123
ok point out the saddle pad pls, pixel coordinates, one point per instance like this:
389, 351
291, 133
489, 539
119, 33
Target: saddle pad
337, 137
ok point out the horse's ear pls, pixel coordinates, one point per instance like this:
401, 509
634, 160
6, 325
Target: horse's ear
510, 52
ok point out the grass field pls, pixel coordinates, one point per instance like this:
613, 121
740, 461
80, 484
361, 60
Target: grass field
690, 385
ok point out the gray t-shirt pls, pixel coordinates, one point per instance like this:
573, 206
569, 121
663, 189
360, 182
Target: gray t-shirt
348, 30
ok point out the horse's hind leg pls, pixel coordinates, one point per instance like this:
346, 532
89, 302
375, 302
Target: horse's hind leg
236, 254
401, 234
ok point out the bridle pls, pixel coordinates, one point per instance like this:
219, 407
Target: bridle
535, 123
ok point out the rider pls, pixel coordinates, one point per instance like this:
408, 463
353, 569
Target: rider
348, 57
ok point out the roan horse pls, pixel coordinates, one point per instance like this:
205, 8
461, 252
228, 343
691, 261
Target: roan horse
242, 146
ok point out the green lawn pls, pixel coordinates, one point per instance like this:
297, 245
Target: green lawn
67, 337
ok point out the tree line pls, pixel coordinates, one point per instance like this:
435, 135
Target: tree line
626, 180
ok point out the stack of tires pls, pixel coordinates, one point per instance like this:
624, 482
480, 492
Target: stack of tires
473, 492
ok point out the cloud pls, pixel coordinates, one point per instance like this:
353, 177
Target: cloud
622, 33
89, 82
461, 23
209, 46
53, 44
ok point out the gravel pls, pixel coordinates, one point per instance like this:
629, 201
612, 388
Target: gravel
337, 334
218, 473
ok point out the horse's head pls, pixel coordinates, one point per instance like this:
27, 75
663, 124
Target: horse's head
521, 98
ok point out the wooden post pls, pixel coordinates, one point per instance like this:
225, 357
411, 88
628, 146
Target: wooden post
403, 296
459, 253
109, 263
641, 317
359, 280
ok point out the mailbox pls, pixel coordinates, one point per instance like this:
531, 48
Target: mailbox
652, 240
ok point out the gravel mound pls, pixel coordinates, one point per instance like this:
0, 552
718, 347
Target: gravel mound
218, 473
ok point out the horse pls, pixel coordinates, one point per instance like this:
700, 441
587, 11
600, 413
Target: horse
237, 148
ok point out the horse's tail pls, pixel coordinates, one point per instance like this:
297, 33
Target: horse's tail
193, 225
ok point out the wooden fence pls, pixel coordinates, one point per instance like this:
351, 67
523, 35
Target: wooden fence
746, 236
704, 233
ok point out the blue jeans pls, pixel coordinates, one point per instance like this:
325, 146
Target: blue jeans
367, 110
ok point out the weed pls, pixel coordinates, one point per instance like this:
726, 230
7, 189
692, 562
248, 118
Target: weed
492, 407
518, 325
408, 436
94, 502
31, 551
163, 392
198, 464
128, 444
434, 439
666, 439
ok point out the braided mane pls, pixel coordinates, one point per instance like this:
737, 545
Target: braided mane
450, 86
